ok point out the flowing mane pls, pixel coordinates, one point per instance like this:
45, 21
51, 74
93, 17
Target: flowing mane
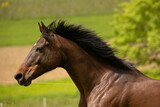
90, 42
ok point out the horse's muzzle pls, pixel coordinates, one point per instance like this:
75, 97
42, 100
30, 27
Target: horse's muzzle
21, 79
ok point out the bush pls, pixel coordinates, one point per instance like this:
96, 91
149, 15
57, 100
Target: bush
137, 29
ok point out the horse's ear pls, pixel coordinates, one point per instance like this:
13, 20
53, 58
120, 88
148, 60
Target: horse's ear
45, 31
40, 27
44, 28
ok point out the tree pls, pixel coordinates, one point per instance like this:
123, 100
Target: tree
137, 28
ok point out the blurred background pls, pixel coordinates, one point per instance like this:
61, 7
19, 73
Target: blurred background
131, 26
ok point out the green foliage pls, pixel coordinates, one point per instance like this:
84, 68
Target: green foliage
137, 27
152, 73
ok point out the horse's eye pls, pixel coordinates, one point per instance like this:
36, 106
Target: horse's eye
39, 49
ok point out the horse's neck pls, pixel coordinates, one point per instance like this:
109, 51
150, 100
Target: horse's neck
85, 70
85, 73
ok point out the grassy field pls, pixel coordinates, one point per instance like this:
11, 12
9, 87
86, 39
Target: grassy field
57, 93
19, 18
26, 31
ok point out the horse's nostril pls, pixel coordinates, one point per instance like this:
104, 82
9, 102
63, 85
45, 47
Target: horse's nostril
18, 76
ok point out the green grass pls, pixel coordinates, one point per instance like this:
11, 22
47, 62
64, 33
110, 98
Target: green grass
26, 31
57, 95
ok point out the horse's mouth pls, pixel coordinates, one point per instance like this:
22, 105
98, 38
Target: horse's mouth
25, 82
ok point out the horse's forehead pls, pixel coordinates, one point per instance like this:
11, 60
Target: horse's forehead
41, 40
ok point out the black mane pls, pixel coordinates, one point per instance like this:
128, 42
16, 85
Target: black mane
89, 41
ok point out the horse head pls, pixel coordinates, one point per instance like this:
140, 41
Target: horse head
44, 56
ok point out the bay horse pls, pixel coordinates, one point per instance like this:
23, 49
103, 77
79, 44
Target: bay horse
102, 79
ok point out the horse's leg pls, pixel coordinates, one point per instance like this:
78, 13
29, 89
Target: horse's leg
82, 102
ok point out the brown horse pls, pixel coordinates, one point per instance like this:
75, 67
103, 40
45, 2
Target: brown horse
103, 79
